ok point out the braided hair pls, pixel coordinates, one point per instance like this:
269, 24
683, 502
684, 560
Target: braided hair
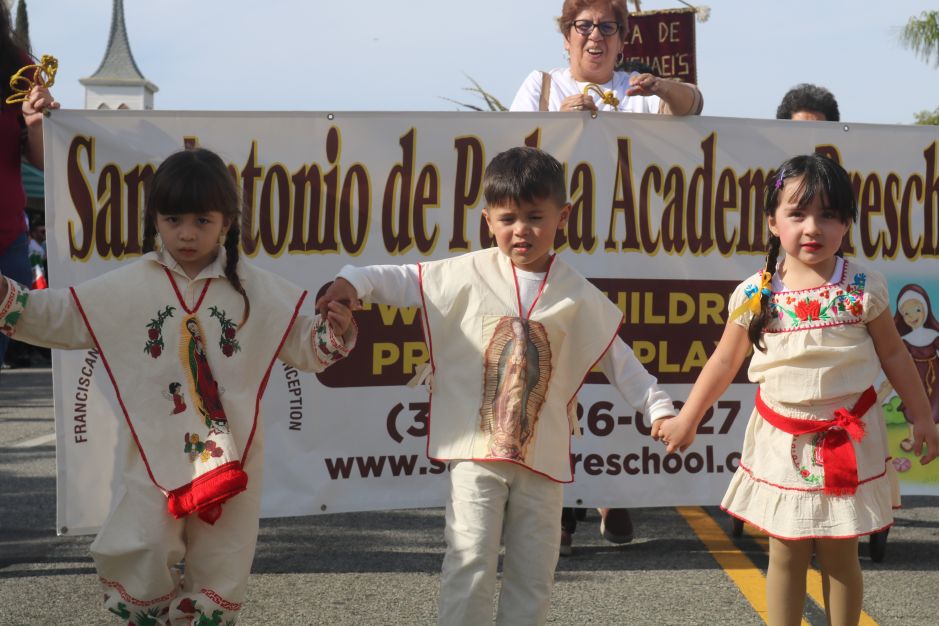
817, 176
197, 181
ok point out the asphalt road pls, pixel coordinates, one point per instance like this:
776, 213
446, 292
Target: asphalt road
382, 567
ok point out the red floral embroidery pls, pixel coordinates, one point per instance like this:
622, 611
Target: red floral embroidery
154, 345
808, 309
186, 605
226, 341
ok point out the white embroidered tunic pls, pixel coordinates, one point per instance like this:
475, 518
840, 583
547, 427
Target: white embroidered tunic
506, 370
187, 378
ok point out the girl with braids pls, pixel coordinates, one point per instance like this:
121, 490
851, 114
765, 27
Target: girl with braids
192, 317
813, 469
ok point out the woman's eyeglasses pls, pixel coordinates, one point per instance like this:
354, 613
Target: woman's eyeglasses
585, 27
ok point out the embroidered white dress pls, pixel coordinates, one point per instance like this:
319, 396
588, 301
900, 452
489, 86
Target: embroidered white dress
819, 358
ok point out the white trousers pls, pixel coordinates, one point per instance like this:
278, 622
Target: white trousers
140, 544
489, 501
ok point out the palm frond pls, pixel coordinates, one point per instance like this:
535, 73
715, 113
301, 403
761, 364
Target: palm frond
921, 35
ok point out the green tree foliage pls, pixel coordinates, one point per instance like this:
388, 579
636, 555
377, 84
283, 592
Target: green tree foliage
928, 118
921, 35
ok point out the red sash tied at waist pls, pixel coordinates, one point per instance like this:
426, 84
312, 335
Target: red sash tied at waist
837, 450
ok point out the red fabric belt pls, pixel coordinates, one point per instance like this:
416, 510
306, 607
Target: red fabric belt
206, 493
837, 449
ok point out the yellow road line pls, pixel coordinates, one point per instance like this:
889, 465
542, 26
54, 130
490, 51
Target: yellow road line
738, 566
813, 583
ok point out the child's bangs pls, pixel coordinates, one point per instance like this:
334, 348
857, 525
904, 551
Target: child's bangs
193, 194
834, 191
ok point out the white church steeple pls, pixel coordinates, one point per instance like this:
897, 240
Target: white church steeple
118, 83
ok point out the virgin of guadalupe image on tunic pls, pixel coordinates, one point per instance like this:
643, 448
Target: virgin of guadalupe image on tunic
517, 368
919, 331
206, 393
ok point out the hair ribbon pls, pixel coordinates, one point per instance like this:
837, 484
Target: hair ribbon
754, 295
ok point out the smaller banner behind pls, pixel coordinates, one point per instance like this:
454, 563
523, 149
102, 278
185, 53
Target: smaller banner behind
664, 41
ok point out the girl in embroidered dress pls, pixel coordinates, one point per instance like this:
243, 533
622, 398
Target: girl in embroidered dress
813, 470
211, 328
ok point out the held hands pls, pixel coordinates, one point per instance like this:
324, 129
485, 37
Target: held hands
337, 303
643, 85
677, 433
339, 317
38, 100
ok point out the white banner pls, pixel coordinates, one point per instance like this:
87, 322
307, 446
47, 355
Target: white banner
667, 219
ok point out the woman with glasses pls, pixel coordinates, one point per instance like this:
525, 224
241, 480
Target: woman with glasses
594, 33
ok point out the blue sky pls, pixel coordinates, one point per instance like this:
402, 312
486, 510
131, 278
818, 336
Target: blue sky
381, 55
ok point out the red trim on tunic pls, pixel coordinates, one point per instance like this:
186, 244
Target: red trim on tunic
518, 292
771, 534
179, 296
119, 588
219, 600
117, 391
267, 375
586, 374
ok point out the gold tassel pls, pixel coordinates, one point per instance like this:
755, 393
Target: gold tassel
606, 97
45, 75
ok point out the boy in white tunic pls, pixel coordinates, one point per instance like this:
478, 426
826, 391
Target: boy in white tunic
188, 336
512, 332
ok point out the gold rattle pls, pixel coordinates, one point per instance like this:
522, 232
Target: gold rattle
21, 84
606, 97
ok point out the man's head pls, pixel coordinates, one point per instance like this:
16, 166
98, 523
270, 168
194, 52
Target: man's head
808, 102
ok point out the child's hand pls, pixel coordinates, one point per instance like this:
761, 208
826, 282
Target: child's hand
677, 433
657, 425
339, 317
926, 433
342, 291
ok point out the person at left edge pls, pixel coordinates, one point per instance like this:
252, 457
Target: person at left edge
20, 138
188, 335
